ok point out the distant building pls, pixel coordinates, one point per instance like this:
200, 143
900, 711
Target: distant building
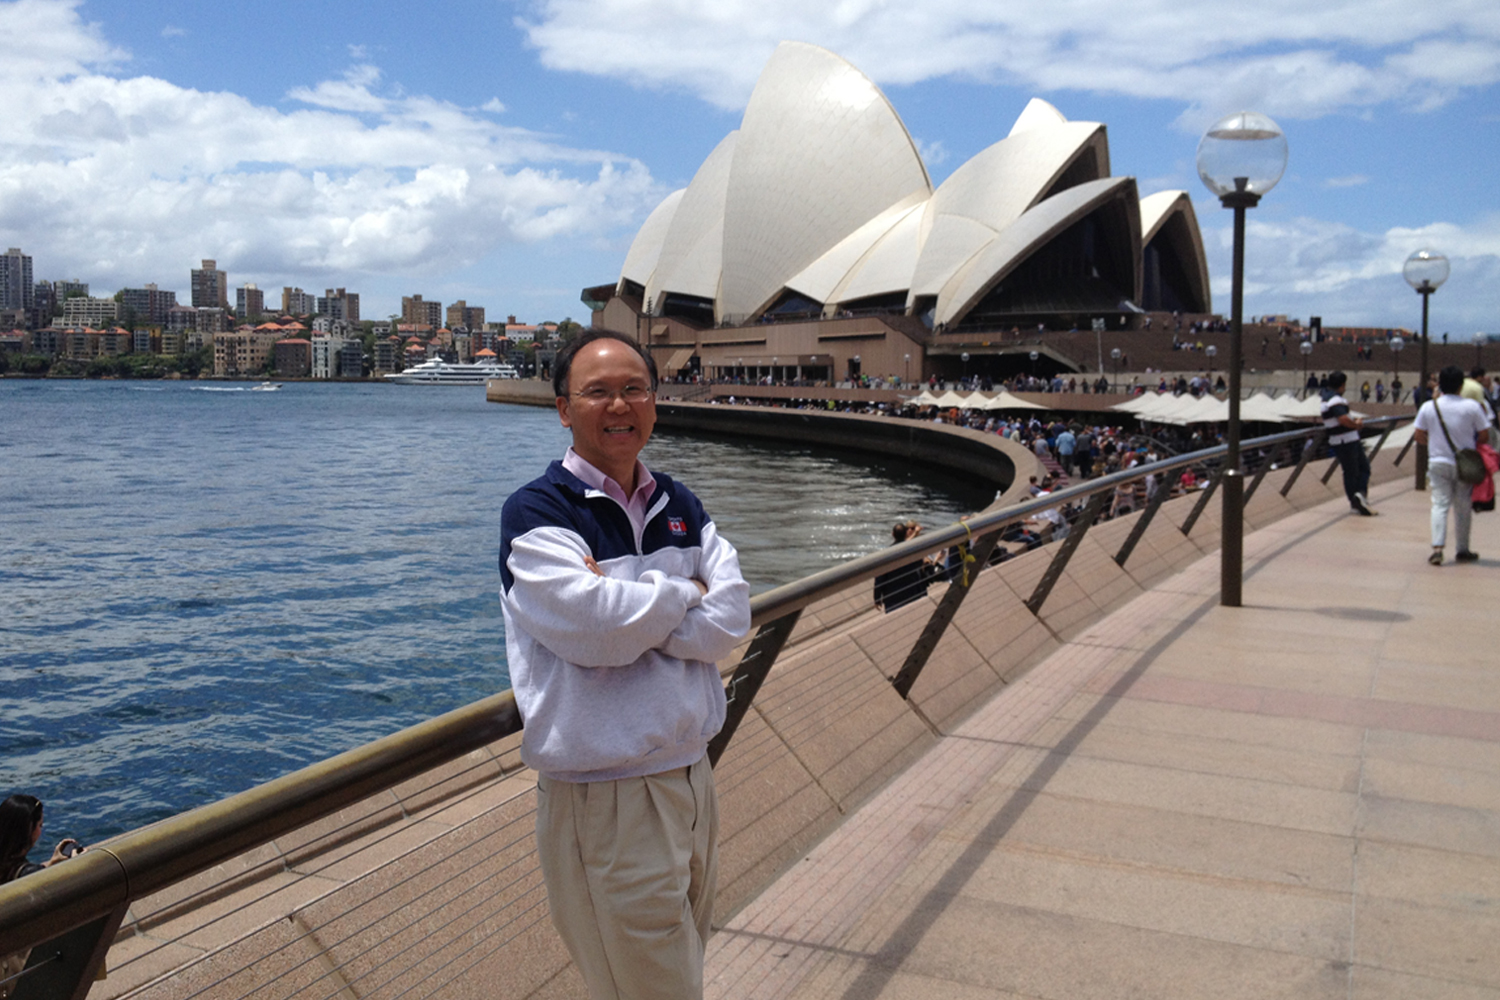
249, 302
210, 286
17, 289
325, 324
15, 342
43, 301
463, 316
387, 354
335, 303
296, 302
67, 289
84, 310
293, 357
213, 319
336, 357
182, 318
149, 304
243, 352
418, 312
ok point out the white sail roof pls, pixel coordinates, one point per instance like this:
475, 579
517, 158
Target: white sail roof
821, 152
692, 252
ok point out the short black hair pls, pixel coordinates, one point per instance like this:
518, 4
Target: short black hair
1451, 380
1337, 380
563, 364
1476, 372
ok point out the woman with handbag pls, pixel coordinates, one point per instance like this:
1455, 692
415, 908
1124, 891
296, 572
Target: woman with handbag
1451, 427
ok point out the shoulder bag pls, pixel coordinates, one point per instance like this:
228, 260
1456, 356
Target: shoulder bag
1470, 463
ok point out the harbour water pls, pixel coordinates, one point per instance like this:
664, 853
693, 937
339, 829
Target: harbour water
203, 587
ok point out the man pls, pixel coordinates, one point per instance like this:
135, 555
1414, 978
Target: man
1447, 425
619, 596
1066, 442
1343, 441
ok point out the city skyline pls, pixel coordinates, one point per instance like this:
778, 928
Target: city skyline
506, 153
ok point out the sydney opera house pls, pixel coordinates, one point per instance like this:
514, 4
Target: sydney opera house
812, 243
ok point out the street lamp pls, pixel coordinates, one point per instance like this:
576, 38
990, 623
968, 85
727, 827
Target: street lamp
1240, 158
906, 358
1424, 271
964, 357
1479, 349
1306, 348
1033, 363
1396, 344
1114, 355
1212, 353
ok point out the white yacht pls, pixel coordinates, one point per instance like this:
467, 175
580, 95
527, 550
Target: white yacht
436, 371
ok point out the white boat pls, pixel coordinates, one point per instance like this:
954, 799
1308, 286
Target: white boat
266, 387
436, 371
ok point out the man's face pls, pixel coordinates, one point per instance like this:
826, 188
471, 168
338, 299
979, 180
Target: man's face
608, 433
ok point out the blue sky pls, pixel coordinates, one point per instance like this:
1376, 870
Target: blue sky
505, 152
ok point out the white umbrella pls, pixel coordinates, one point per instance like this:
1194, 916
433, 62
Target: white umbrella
949, 399
1008, 401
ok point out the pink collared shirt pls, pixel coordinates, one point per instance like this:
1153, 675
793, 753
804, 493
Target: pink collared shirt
636, 506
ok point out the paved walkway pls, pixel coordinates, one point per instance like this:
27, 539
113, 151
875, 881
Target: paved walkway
1297, 798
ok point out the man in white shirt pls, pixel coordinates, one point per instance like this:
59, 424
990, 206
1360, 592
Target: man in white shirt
1447, 425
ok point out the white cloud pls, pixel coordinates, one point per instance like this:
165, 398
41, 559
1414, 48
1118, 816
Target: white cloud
932, 153
493, 105
1288, 57
129, 179
1352, 180
172, 31
1307, 266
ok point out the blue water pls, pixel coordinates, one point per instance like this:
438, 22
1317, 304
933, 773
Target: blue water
205, 587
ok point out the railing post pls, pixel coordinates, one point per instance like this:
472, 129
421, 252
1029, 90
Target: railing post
1065, 551
66, 967
1198, 508
1381, 443
1404, 449
1309, 448
1138, 530
1260, 474
748, 676
947, 608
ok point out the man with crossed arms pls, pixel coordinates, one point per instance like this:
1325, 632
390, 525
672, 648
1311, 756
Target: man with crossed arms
619, 597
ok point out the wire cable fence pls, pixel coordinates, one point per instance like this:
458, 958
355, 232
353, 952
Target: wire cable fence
408, 865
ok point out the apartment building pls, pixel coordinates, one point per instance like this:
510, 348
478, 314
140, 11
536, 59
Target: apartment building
462, 316
85, 310
149, 304
296, 302
418, 312
249, 302
243, 352
17, 289
210, 286
336, 303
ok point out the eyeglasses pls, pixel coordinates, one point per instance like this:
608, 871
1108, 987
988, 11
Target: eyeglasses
598, 395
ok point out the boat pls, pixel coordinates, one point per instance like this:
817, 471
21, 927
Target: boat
436, 371
266, 387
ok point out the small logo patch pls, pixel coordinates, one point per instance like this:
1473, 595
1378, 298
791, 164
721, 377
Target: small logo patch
675, 526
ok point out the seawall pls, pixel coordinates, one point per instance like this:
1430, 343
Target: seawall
958, 449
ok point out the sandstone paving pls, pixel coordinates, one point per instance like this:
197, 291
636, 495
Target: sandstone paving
1297, 798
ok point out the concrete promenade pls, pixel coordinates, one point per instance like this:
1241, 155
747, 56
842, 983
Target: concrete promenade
1299, 798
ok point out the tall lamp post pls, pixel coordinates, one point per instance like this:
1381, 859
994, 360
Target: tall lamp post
1114, 356
1306, 348
964, 357
1396, 344
1033, 356
1212, 352
1424, 271
1240, 158
1479, 349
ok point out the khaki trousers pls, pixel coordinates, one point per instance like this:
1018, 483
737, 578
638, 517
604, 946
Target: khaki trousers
630, 868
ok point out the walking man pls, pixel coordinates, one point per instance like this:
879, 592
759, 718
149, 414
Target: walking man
619, 596
1447, 425
1343, 440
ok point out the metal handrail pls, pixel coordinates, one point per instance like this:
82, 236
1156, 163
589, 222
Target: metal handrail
90, 893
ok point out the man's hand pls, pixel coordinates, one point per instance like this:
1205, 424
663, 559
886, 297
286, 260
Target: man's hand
593, 567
